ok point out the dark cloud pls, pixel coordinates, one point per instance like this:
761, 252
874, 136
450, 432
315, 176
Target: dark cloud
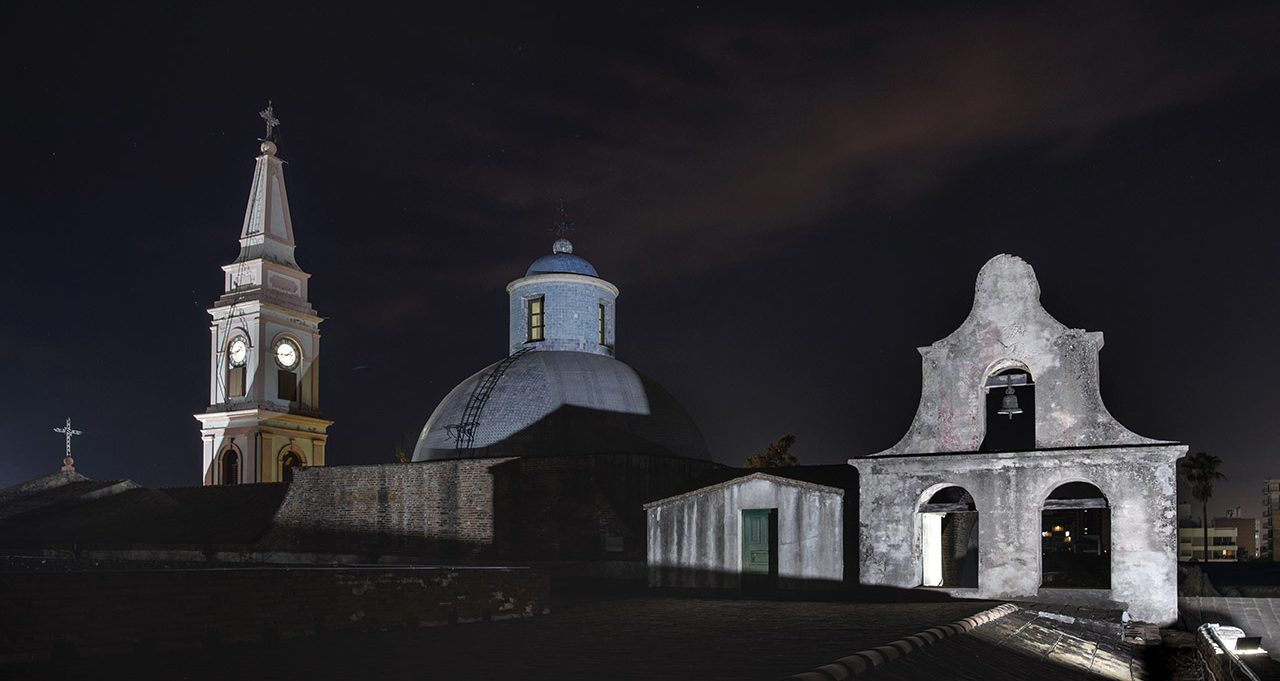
764, 127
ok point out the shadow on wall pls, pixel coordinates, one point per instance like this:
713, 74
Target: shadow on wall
586, 506
571, 430
370, 547
790, 589
1260, 579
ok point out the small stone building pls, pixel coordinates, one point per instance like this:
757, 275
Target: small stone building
754, 530
1013, 480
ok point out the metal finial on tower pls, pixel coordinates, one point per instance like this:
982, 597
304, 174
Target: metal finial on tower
562, 226
67, 463
268, 115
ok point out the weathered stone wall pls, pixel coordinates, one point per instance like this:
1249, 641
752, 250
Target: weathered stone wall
388, 507
695, 539
1009, 490
1007, 328
89, 613
539, 508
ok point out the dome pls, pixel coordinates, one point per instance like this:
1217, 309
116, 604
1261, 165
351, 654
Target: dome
561, 262
558, 403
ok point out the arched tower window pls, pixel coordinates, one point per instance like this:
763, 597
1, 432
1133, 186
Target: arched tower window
1011, 412
1075, 543
237, 354
949, 539
288, 462
230, 467
288, 359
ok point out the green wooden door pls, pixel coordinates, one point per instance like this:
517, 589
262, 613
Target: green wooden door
758, 543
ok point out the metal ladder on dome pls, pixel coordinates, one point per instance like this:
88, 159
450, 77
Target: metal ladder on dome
464, 432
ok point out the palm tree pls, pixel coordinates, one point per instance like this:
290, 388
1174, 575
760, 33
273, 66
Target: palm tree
1200, 470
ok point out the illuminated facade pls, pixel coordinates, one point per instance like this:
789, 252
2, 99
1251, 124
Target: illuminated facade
1011, 448
263, 419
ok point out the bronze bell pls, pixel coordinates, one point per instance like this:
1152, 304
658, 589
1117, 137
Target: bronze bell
1009, 404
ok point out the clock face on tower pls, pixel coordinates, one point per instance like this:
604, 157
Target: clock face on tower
237, 351
287, 353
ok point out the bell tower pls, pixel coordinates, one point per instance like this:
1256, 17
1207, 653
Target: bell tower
263, 418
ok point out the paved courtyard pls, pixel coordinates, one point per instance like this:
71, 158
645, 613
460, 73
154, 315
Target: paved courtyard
651, 637
586, 638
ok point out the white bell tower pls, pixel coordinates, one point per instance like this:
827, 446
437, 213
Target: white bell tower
264, 409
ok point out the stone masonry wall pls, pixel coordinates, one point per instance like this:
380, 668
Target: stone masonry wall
110, 612
388, 507
1009, 491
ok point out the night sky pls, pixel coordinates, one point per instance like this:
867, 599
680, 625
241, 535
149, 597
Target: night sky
790, 200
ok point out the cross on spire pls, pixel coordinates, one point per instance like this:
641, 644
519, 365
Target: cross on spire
562, 227
69, 432
268, 115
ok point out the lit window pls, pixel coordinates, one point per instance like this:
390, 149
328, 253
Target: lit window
602, 323
537, 319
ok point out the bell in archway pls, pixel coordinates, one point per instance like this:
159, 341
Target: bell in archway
1009, 404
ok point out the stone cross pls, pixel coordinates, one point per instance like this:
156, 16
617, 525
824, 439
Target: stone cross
269, 116
69, 432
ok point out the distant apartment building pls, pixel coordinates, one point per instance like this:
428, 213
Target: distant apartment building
1223, 547
1270, 514
1222, 544
1246, 532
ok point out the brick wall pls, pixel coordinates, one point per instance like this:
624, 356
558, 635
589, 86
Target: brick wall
535, 508
89, 613
425, 506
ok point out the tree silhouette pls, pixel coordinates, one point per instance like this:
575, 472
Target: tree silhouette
776, 454
404, 447
1200, 470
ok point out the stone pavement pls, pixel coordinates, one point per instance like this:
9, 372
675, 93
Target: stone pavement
1022, 645
651, 637
1256, 616
617, 638
1007, 643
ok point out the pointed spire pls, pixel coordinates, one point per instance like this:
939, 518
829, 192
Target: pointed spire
268, 229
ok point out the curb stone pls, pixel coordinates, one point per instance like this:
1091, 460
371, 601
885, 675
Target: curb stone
865, 660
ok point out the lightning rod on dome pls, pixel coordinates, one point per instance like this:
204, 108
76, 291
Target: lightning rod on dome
562, 226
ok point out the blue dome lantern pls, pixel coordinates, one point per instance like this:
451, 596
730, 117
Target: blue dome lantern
562, 304
559, 391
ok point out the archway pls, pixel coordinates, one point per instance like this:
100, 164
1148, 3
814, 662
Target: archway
289, 461
229, 467
1011, 411
1075, 544
949, 539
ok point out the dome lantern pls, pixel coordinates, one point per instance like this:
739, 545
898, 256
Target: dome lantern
562, 304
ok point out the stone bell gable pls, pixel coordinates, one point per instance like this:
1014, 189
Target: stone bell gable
1013, 480
1007, 328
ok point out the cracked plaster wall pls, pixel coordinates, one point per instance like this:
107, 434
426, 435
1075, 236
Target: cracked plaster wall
1076, 440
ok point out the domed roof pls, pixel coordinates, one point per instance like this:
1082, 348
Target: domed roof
561, 260
542, 403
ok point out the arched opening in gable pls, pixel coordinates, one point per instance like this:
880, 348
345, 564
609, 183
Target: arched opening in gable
1075, 538
949, 539
1011, 411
